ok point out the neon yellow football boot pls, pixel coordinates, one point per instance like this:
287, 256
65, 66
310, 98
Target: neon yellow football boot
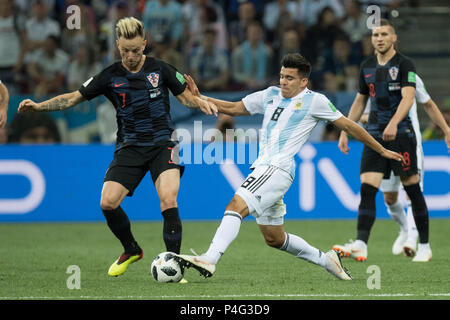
120, 265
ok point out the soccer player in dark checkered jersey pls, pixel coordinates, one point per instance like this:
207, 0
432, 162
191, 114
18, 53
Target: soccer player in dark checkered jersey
138, 87
388, 79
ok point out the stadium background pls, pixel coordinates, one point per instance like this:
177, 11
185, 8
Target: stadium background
62, 181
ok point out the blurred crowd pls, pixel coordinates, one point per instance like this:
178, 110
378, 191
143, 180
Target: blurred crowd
226, 45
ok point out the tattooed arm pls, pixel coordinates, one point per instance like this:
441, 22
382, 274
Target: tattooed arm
61, 102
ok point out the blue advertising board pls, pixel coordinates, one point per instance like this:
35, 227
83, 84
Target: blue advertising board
63, 182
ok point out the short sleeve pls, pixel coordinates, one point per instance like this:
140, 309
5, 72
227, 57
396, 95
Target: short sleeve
323, 109
254, 102
422, 95
94, 86
408, 73
174, 79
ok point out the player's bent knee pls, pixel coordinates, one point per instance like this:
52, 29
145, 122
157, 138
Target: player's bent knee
168, 204
390, 198
109, 203
237, 204
274, 242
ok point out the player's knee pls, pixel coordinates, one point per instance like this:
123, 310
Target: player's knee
390, 198
274, 242
109, 203
168, 202
368, 195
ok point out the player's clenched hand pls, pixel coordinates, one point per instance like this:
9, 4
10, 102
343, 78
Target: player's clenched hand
27, 105
390, 132
388, 154
343, 143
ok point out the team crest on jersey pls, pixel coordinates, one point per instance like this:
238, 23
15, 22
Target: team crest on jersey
154, 79
298, 105
393, 72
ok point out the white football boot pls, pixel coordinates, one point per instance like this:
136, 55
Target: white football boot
205, 268
354, 249
335, 267
397, 247
423, 253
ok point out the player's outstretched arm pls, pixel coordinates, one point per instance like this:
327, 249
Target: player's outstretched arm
193, 101
362, 135
61, 102
226, 107
436, 116
4, 101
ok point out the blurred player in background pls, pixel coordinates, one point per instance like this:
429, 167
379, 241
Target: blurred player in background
290, 111
407, 238
389, 79
138, 87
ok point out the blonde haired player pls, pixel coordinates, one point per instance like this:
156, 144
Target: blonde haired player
138, 87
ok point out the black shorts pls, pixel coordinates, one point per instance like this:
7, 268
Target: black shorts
372, 161
130, 164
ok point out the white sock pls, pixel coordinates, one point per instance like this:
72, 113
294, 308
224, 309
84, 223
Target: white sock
397, 212
301, 249
424, 246
225, 234
412, 230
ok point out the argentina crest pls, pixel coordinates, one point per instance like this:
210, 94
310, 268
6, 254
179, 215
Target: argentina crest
298, 105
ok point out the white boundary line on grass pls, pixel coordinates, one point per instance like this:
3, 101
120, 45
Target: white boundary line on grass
236, 296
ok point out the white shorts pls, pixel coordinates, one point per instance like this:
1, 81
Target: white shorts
263, 191
393, 183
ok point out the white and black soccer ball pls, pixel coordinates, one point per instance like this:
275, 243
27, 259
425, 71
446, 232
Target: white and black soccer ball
166, 269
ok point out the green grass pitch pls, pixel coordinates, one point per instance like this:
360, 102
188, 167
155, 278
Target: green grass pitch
34, 259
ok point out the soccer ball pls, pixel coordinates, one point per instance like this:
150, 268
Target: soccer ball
166, 269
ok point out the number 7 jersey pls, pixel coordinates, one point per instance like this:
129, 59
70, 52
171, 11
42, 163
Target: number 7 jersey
141, 100
287, 123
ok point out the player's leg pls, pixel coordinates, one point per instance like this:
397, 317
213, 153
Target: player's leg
112, 195
394, 205
166, 172
409, 247
229, 227
261, 189
276, 237
409, 175
123, 176
167, 186
396, 210
225, 234
420, 213
370, 182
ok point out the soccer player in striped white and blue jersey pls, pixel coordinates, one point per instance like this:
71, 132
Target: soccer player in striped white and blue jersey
290, 112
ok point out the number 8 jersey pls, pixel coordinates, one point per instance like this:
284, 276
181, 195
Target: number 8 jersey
287, 123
